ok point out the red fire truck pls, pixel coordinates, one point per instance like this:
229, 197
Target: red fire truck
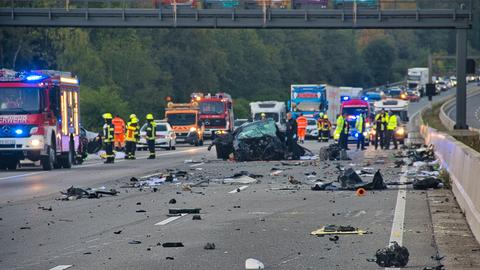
39, 118
216, 112
353, 108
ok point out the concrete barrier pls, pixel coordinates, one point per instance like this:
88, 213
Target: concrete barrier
463, 165
444, 118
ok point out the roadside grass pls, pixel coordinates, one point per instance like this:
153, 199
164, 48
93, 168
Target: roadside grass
431, 117
470, 141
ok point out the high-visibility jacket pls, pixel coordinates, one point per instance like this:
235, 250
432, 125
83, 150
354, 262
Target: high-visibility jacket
360, 124
151, 130
392, 122
342, 125
132, 134
108, 134
302, 122
119, 125
381, 121
323, 124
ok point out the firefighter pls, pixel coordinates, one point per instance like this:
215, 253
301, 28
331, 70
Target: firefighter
263, 116
108, 137
301, 127
392, 124
380, 128
341, 131
119, 132
323, 127
131, 138
360, 127
150, 136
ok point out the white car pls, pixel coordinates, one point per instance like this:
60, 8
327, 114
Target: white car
165, 136
312, 131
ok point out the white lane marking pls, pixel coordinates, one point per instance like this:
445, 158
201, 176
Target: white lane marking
197, 164
61, 267
96, 164
21, 175
399, 217
239, 188
168, 220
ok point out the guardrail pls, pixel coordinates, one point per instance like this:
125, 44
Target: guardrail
462, 163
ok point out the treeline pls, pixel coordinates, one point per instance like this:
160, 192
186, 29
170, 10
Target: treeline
132, 70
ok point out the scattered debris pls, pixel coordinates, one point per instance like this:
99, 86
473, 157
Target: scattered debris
74, 193
335, 229
392, 256
141, 211
276, 173
209, 246
244, 179
25, 228
45, 208
169, 258
427, 183
294, 181
172, 201
117, 232
253, 264
334, 238
349, 179
196, 217
135, 242
172, 244
184, 211
333, 152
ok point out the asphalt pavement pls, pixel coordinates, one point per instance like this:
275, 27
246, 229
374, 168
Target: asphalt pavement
269, 220
473, 110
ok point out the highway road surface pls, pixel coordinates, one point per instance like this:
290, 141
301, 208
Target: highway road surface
268, 221
473, 110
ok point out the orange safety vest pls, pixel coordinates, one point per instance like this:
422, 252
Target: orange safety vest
119, 125
302, 122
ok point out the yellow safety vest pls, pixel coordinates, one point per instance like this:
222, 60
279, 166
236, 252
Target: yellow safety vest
392, 122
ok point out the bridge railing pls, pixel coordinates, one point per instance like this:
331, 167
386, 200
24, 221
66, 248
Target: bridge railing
245, 4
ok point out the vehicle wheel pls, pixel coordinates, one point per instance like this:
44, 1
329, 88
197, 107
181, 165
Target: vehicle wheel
196, 143
49, 160
12, 165
67, 160
200, 143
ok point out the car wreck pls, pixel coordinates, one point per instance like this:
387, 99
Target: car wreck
259, 140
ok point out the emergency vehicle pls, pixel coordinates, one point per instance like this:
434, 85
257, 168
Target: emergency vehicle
39, 118
353, 107
400, 109
216, 113
185, 121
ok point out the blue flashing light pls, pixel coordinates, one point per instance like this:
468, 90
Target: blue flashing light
18, 131
345, 98
34, 77
356, 135
365, 98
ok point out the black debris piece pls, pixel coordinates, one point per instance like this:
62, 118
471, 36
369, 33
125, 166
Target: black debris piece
184, 211
172, 201
319, 186
349, 179
139, 203
209, 246
196, 217
141, 211
133, 179
438, 267
376, 184
117, 232
45, 208
79, 193
172, 244
334, 238
169, 258
134, 242
333, 152
392, 256
25, 228
427, 183
339, 228
236, 206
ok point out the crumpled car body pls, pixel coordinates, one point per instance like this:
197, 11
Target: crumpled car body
259, 140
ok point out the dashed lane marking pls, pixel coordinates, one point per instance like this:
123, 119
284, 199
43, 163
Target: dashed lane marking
197, 164
61, 267
237, 189
399, 217
168, 220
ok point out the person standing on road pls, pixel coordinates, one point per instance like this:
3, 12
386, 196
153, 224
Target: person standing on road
360, 127
323, 127
151, 135
342, 130
119, 132
108, 137
302, 127
380, 120
391, 127
131, 138
291, 132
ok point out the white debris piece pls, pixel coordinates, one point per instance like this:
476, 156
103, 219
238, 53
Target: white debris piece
276, 173
240, 180
251, 264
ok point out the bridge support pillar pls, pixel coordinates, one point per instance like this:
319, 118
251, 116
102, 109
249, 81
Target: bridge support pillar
461, 106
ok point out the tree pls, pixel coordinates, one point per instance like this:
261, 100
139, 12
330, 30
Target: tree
379, 55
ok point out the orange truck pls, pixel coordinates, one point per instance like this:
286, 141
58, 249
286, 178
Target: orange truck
185, 121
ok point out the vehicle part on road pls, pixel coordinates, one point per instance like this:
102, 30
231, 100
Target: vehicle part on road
376, 184
293, 181
253, 264
338, 229
172, 201
117, 232
141, 211
439, 267
427, 183
276, 173
184, 211
45, 208
74, 193
349, 179
360, 192
334, 238
333, 152
392, 256
196, 217
172, 244
134, 242
209, 246
244, 179
169, 258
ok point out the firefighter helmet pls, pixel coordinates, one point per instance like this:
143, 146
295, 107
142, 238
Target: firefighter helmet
149, 116
133, 116
107, 116
134, 120
325, 116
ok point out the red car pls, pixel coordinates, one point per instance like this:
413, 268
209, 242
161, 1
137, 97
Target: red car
412, 97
